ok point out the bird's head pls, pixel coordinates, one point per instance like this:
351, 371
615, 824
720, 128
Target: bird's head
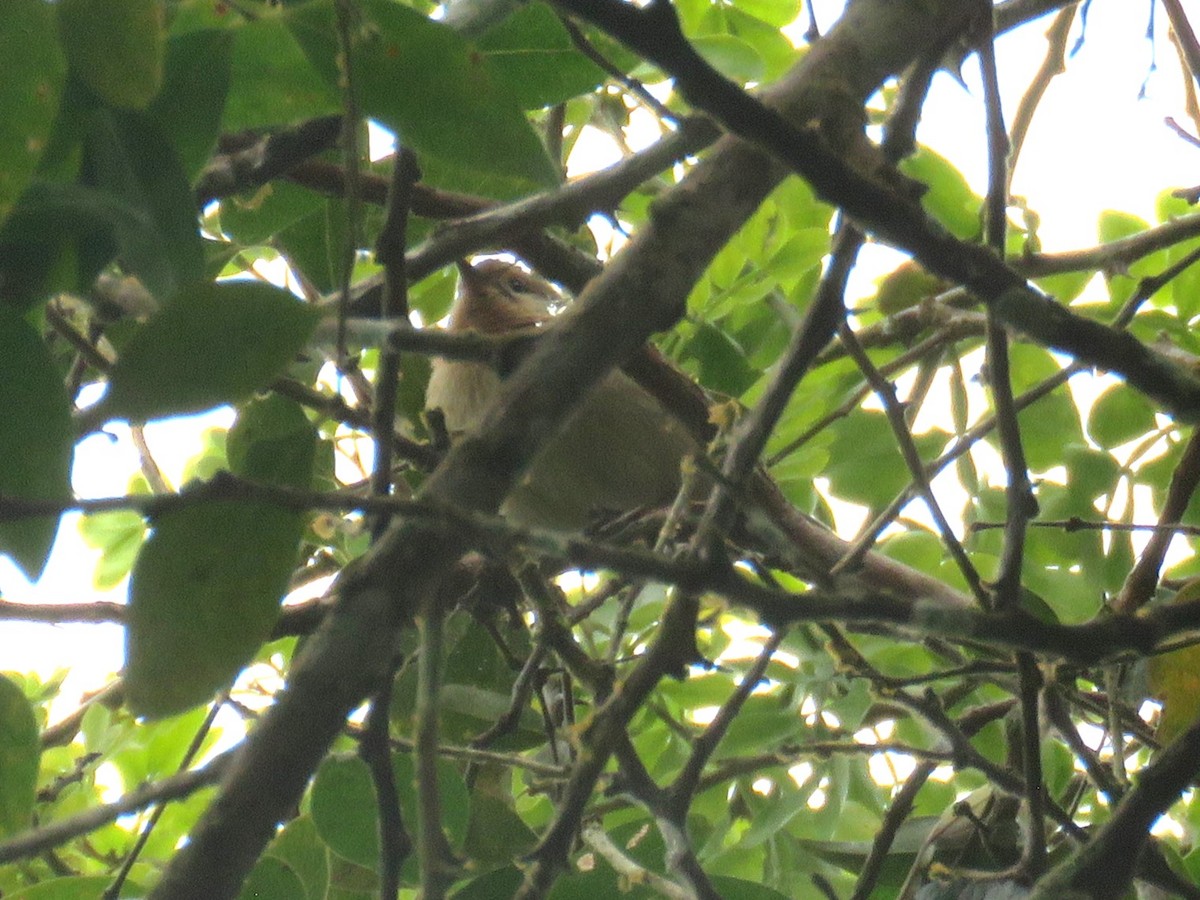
495, 296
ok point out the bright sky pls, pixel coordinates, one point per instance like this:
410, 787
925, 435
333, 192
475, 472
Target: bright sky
1094, 145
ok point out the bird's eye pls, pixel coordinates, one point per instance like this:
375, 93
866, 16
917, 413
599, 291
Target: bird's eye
514, 284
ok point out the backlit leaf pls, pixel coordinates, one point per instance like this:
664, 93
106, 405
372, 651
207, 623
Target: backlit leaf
116, 46
216, 343
37, 440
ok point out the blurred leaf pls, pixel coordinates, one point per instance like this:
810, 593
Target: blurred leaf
1114, 225
206, 587
773, 12
496, 835
34, 72
271, 80
37, 440
498, 883
299, 846
344, 809
732, 57
1184, 287
866, 438
532, 55
20, 750
69, 888
1175, 680
116, 46
118, 535
740, 889
905, 287
272, 209
722, 362
130, 157
1120, 415
216, 343
271, 879
450, 97
195, 83
40, 240
949, 199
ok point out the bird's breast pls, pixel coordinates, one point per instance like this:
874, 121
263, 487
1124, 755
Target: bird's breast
462, 390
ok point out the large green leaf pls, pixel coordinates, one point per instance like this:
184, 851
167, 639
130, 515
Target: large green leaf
19, 754
1119, 415
192, 99
34, 71
271, 81
132, 202
70, 888
435, 90
300, 847
40, 239
949, 199
272, 879
36, 440
216, 343
532, 55
344, 810
206, 587
203, 596
116, 46
129, 156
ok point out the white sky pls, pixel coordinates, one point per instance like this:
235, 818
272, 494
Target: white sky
1094, 145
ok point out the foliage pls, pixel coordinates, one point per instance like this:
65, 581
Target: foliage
180, 222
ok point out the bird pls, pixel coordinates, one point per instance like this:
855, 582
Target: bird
619, 450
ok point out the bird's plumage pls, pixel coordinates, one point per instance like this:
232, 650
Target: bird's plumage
619, 450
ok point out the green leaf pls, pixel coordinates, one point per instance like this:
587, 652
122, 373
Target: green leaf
1119, 415
129, 156
37, 440
118, 535
271, 79
206, 587
723, 365
773, 12
344, 809
34, 72
1115, 225
299, 845
730, 888
949, 199
532, 55
20, 752
498, 883
273, 442
265, 215
215, 343
732, 57
203, 596
271, 879
40, 240
450, 105
865, 438
116, 46
192, 99
73, 888
1185, 287
496, 834
312, 244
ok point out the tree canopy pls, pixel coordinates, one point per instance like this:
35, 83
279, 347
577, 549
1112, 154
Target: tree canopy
347, 676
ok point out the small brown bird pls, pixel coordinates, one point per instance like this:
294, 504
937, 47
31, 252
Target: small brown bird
619, 450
